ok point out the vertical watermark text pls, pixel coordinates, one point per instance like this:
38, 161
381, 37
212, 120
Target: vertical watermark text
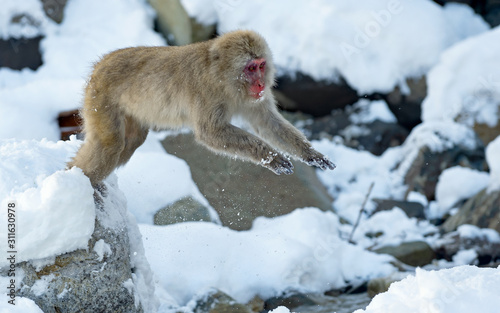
11, 251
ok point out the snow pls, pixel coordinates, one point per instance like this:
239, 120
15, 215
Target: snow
102, 249
471, 231
392, 228
455, 184
370, 111
32, 99
149, 188
465, 84
300, 251
462, 289
32, 20
492, 157
374, 45
23, 305
54, 208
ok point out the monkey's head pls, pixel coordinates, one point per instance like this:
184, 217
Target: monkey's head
244, 60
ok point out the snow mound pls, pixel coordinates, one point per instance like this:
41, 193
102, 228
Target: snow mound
458, 183
455, 290
54, 208
374, 44
492, 157
300, 251
465, 84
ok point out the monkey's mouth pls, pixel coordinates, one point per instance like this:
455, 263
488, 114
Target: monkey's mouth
256, 92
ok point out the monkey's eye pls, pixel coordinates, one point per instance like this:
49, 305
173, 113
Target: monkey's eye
252, 68
262, 65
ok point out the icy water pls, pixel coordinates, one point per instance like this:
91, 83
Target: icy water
342, 304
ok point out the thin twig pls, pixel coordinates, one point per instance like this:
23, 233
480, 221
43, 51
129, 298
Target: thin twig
361, 212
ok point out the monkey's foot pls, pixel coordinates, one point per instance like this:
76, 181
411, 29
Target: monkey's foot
319, 160
280, 165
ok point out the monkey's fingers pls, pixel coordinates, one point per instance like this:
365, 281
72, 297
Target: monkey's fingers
320, 161
280, 165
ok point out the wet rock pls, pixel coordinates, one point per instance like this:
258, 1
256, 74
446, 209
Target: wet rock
218, 302
412, 209
426, 168
20, 53
415, 253
240, 191
482, 210
290, 301
183, 210
487, 251
317, 98
382, 284
486, 133
378, 137
407, 106
54, 9
374, 137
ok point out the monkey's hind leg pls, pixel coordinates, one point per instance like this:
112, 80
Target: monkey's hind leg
104, 143
135, 135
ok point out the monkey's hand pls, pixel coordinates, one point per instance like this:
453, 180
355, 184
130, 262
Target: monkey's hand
314, 158
278, 164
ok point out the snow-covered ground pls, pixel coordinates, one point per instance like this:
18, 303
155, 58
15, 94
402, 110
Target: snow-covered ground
375, 45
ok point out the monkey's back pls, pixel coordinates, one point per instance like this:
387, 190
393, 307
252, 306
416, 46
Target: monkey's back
152, 83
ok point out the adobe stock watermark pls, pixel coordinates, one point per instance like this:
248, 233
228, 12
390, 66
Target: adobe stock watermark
372, 29
226, 6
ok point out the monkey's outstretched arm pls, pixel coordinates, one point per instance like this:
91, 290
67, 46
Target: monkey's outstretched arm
231, 140
273, 127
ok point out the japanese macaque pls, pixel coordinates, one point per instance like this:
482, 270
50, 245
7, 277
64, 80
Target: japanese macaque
201, 86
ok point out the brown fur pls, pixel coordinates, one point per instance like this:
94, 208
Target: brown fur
200, 86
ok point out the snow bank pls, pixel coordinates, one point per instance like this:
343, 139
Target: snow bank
23, 305
366, 111
461, 289
394, 227
300, 251
32, 20
455, 184
357, 170
374, 45
465, 84
30, 100
55, 210
492, 157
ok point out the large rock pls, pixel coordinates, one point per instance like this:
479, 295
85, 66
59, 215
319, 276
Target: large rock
426, 168
241, 191
186, 209
98, 279
414, 253
54, 9
407, 106
173, 21
375, 137
20, 53
215, 301
487, 249
482, 210
318, 98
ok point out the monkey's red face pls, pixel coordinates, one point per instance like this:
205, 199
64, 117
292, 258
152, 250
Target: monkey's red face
255, 75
